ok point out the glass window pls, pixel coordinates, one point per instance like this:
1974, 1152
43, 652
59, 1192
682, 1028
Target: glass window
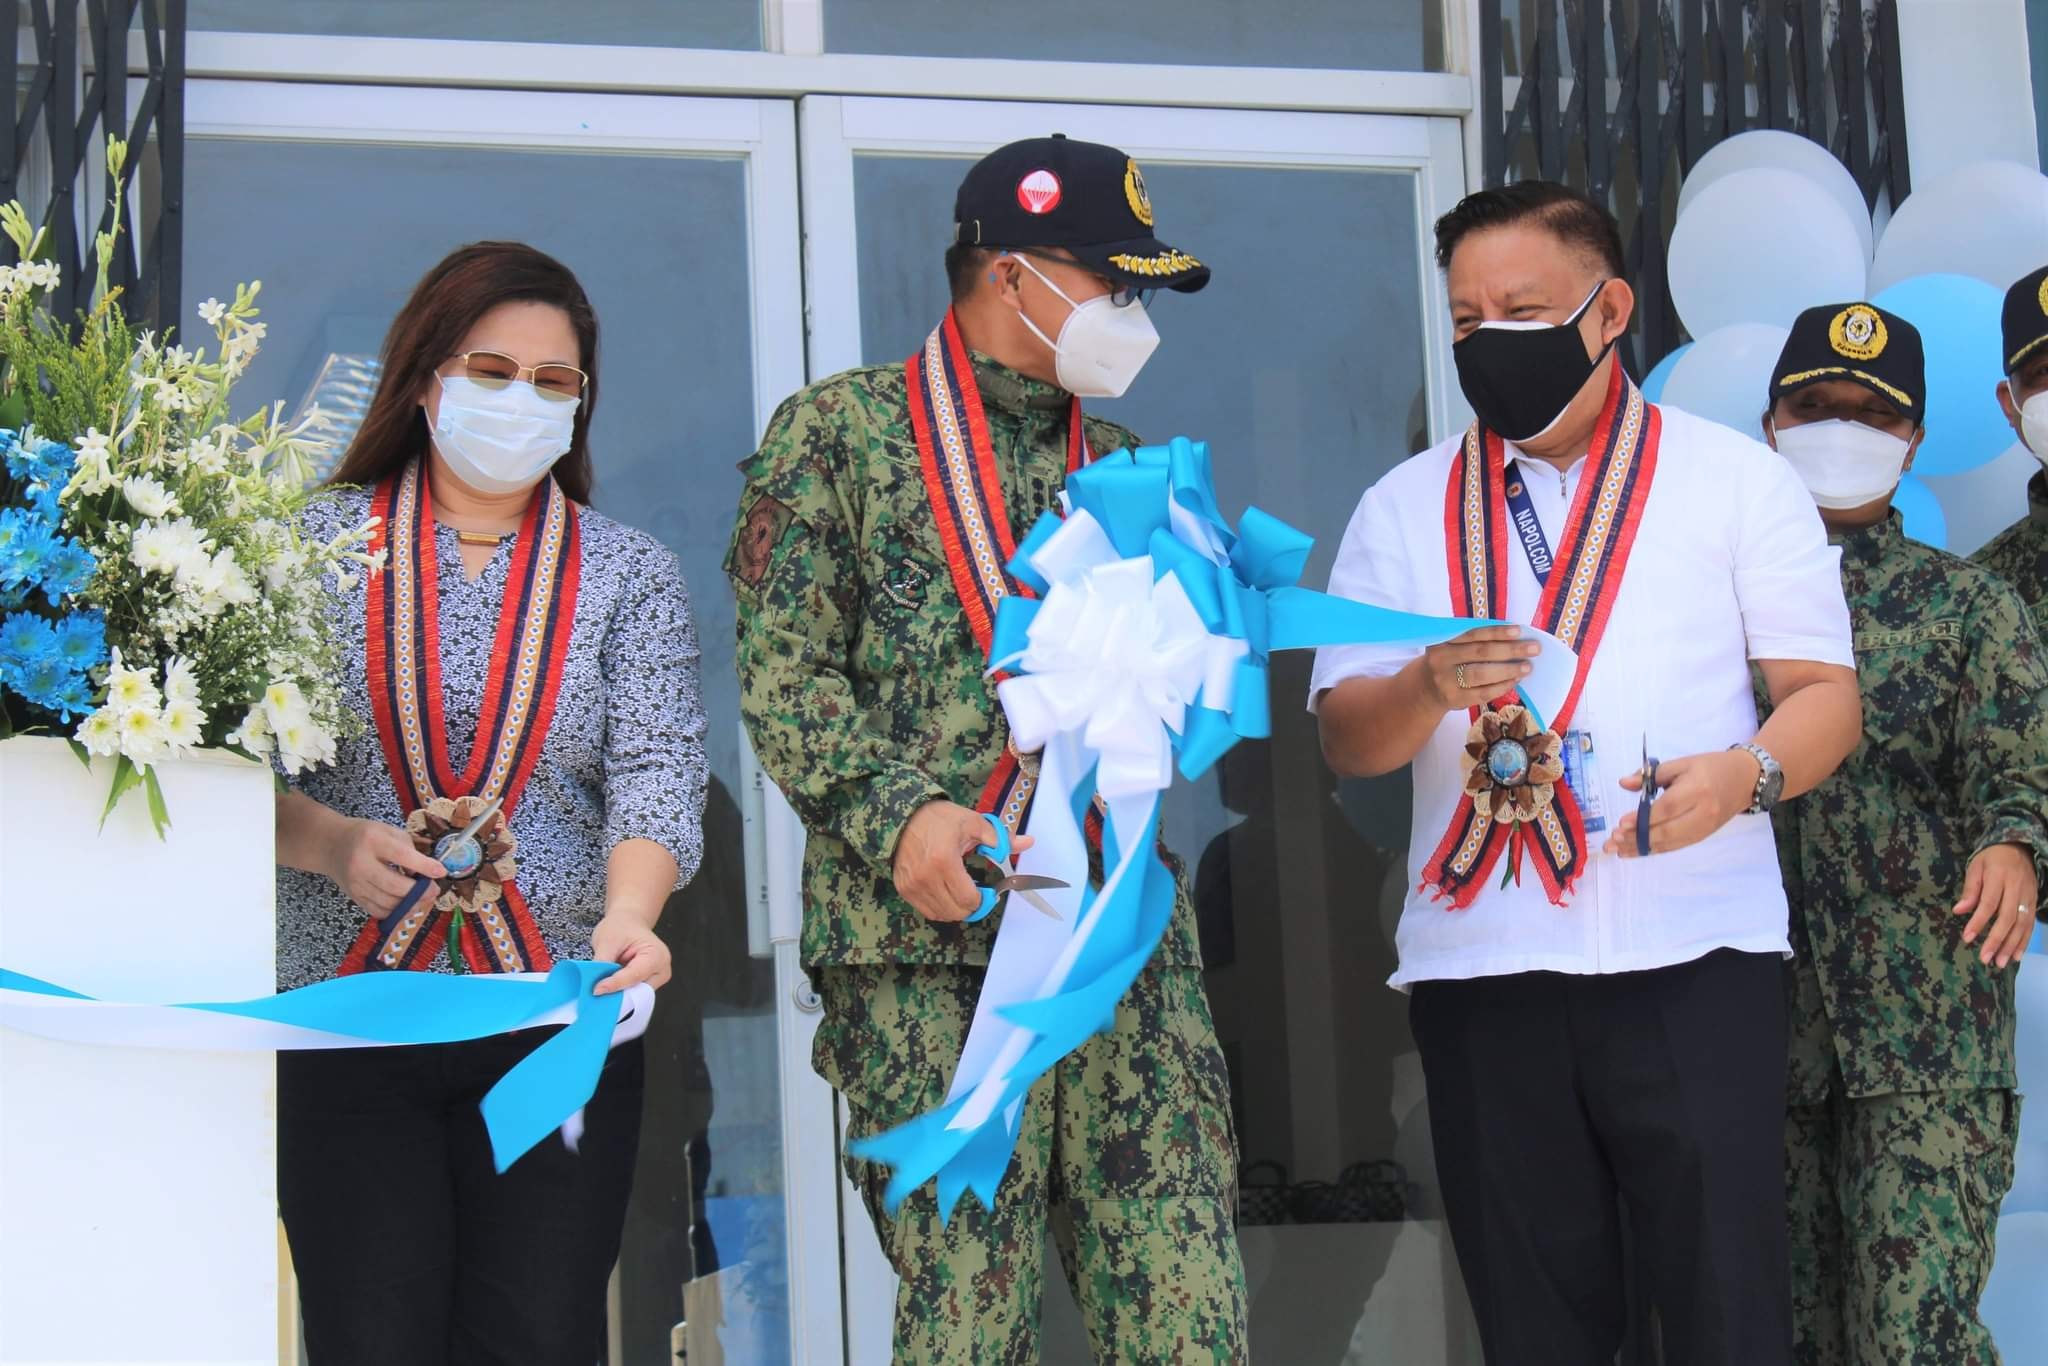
676, 413
633, 23
1302, 366
1385, 35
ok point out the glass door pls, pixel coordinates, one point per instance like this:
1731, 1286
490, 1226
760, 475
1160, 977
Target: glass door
680, 217
1316, 360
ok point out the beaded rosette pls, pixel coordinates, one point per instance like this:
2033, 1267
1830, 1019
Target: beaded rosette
1512, 765
479, 868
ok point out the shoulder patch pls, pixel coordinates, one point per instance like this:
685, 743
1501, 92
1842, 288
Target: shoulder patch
761, 530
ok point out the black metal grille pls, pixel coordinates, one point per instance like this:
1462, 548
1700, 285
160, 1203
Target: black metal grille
75, 95
1623, 97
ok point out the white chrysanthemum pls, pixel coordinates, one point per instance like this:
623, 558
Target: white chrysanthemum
156, 549
184, 726
180, 683
100, 732
302, 745
147, 496
285, 705
143, 736
130, 689
212, 311
254, 732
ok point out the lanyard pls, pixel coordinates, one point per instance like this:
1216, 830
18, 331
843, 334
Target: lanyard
1529, 531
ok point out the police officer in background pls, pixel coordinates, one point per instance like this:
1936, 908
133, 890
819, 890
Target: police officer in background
2019, 554
1913, 875
867, 562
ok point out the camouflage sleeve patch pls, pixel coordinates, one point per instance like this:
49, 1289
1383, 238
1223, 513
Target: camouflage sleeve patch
761, 529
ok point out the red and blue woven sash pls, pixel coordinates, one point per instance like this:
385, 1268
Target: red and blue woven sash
1576, 603
967, 505
403, 665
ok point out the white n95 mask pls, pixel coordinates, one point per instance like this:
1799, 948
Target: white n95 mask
1844, 464
1101, 348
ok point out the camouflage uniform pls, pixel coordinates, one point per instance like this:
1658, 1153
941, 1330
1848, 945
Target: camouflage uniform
1902, 1113
863, 694
2019, 554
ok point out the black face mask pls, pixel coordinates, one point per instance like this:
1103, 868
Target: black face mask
1520, 377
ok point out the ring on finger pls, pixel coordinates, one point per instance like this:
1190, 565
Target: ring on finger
1459, 674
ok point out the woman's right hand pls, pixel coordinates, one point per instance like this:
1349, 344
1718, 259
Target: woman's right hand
1475, 668
375, 864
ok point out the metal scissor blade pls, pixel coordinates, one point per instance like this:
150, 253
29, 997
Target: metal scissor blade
1028, 886
482, 818
1037, 903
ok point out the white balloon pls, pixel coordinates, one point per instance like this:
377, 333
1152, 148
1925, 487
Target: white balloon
1785, 152
1988, 220
1982, 502
1726, 376
1758, 246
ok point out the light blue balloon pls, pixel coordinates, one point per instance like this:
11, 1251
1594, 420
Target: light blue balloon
1958, 318
1925, 521
1660, 374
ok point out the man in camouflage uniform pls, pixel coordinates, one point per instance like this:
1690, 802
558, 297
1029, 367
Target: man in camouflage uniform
863, 688
2019, 554
1913, 874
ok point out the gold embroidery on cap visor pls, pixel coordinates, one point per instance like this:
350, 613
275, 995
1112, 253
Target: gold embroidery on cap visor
1165, 263
1858, 333
1890, 391
1134, 190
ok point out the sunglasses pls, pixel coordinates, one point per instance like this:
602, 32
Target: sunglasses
495, 370
1120, 296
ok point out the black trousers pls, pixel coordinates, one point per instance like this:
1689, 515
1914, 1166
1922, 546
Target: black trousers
410, 1249
1553, 1098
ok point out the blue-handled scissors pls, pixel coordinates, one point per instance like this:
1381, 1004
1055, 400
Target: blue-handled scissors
1648, 795
1026, 885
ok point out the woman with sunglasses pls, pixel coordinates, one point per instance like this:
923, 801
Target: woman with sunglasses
527, 666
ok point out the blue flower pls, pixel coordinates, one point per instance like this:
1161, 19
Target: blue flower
68, 570
75, 698
44, 683
13, 598
42, 500
55, 460
13, 521
23, 560
82, 640
26, 641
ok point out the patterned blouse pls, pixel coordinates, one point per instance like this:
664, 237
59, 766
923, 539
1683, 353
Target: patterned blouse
624, 755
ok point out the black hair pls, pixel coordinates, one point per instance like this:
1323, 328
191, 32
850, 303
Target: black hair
963, 262
1574, 218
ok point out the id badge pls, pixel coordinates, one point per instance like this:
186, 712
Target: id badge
1582, 774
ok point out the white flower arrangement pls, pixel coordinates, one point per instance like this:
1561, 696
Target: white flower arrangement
191, 609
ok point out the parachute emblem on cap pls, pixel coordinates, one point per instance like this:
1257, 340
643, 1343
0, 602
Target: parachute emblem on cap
1858, 333
1134, 190
1039, 192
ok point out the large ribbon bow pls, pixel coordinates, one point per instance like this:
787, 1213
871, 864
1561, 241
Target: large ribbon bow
1145, 652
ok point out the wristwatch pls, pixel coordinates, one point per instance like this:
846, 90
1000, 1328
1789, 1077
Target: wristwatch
1770, 783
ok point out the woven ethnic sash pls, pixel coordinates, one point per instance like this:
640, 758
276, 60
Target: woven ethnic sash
966, 495
1576, 602
404, 673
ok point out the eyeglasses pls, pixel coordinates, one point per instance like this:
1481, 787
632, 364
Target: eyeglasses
1120, 296
495, 370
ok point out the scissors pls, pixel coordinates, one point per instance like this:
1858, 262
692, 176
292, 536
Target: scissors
1649, 795
1026, 885
456, 851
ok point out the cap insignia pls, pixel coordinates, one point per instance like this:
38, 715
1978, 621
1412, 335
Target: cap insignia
2043, 295
1039, 192
1141, 202
1164, 263
1858, 333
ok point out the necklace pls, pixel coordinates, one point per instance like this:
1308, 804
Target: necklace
481, 537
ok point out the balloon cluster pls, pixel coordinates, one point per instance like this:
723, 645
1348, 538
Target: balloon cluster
1769, 224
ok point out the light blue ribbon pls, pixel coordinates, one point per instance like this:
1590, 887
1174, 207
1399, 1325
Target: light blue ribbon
1253, 597
528, 1103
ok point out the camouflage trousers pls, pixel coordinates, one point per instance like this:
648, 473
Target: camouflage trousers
1125, 1153
1893, 1202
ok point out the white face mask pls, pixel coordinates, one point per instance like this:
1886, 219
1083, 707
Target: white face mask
1101, 348
1845, 464
2034, 425
501, 438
